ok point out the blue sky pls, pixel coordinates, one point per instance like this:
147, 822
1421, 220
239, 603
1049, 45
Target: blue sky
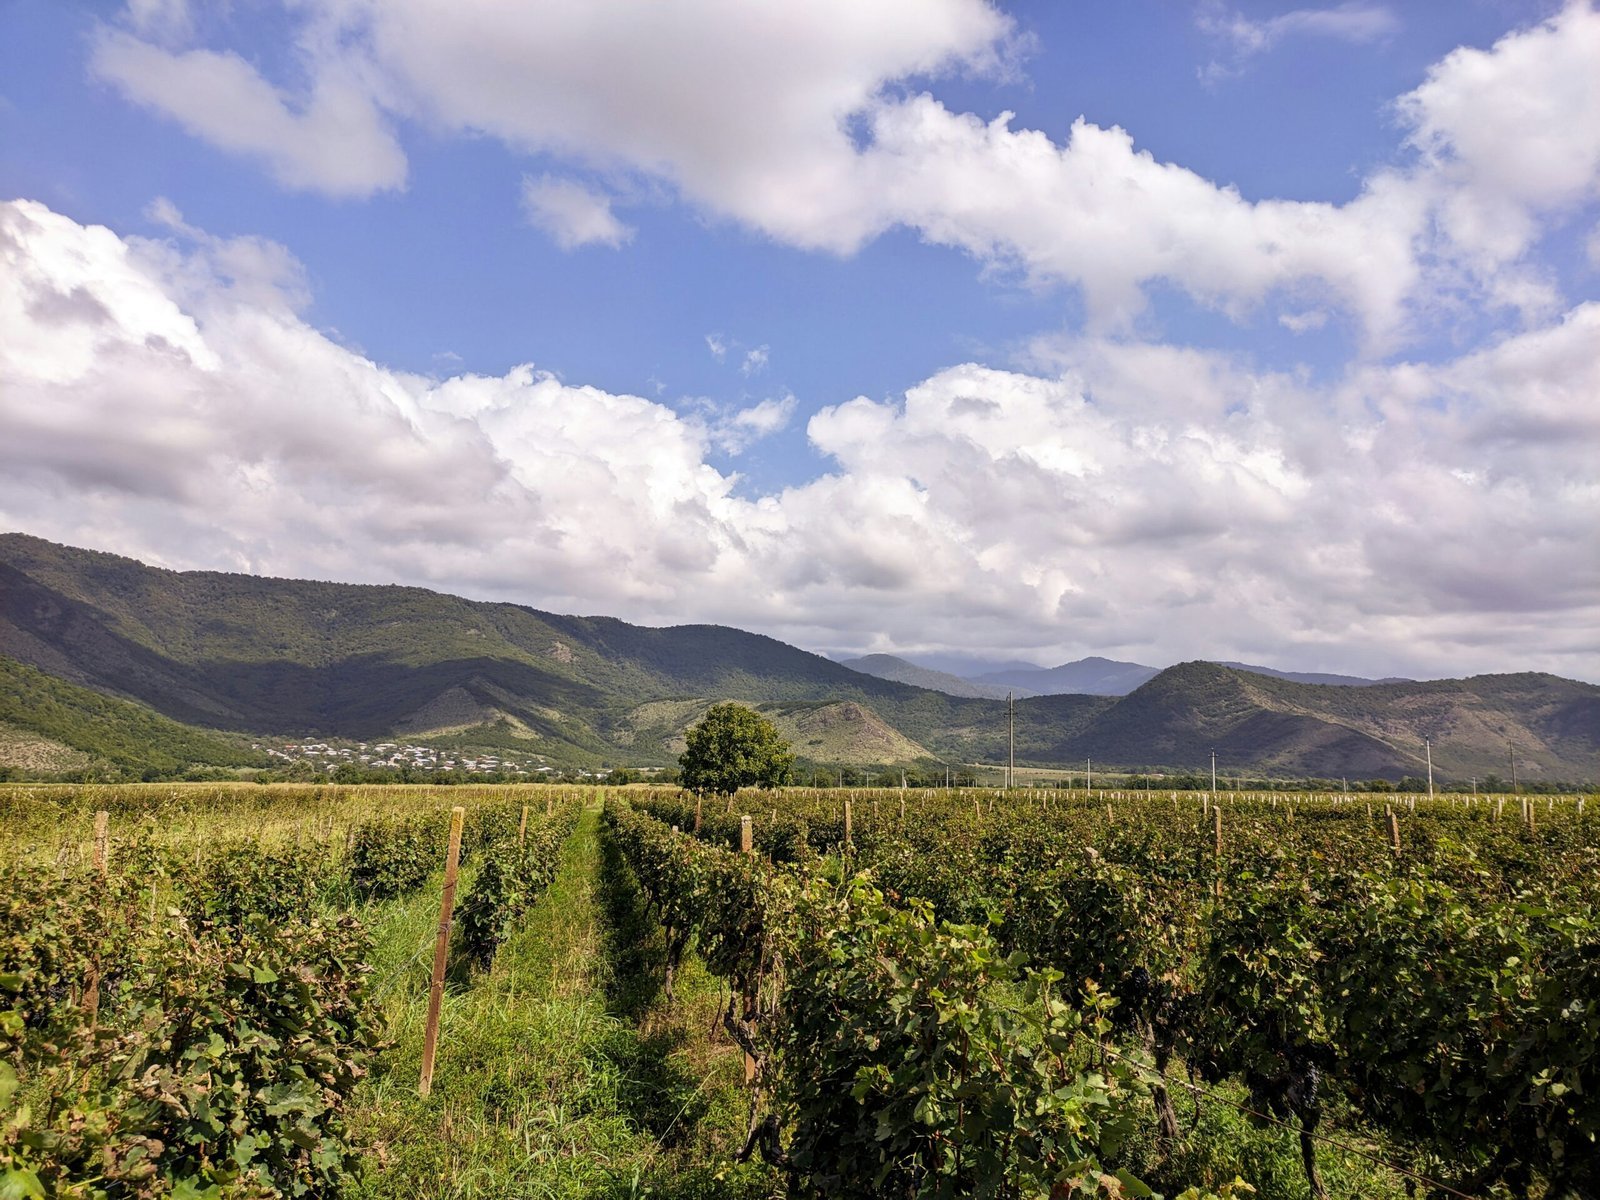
1241, 337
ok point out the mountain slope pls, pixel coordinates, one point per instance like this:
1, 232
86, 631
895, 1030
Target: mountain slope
290, 656
1259, 722
241, 653
47, 724
887, 666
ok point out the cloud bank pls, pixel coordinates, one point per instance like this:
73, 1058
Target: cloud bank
169, 398
812, 124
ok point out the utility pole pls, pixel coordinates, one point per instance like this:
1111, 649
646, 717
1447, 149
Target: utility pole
1213, 775
1088, 775
1512, 746
1011, 735
1427, 744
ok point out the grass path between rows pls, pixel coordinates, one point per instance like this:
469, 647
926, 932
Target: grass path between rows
561, 1071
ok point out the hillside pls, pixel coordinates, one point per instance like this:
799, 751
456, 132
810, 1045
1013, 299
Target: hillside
1260, 722
887, 666
275, 656
292, 656
47, 724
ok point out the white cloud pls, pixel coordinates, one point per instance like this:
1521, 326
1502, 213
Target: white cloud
1355, 22
806, 123
718, 345
572, 213
168, 399
1303, 322
755, 361
736, 433
333, 140
1511, 133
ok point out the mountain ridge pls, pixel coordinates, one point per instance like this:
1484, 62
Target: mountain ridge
240, 653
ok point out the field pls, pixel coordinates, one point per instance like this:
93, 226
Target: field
911, 993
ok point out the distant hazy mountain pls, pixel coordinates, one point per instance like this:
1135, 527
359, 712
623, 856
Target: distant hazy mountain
887, 666
1107, 677
237, 653
1086, 677
969, 666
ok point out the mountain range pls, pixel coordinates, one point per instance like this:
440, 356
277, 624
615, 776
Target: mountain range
96, 642
1086, 676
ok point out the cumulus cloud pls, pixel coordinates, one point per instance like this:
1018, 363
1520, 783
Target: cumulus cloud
755, 361
333, 140
572, 213
1155, 501
812, 125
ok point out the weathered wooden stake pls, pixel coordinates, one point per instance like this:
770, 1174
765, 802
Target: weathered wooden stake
697, 802
1394, 832
847, 822
1216, 834
522, 829
91, 984
441, 949
102, 832
903, 806
746, 836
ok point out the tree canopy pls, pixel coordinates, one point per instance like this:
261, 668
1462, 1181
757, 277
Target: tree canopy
734, 747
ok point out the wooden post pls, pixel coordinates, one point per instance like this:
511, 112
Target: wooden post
522, 829
1394, 832
903, 806
441, 948
746, 836
1527, 814
91, 984
1216, 834
102, 821
847, 822
697, 802
549, 806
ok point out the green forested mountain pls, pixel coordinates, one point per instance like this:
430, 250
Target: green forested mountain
49, 724
275, 656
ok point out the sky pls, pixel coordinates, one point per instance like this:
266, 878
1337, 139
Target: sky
1157, 330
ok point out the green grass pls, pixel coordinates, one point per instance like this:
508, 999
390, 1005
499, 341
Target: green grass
561, 1071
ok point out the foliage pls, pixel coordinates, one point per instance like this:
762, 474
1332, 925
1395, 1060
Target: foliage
511, 876
918, 1060
222, 1057
731, 748
127, 736
390, 857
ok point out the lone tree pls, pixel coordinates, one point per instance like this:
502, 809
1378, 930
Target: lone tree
734, 747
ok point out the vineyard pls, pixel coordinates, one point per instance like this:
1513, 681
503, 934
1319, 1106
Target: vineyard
237, 991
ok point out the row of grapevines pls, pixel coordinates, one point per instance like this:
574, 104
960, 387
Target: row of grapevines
513, 872
211, 1048
902, 1056
1444, 993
